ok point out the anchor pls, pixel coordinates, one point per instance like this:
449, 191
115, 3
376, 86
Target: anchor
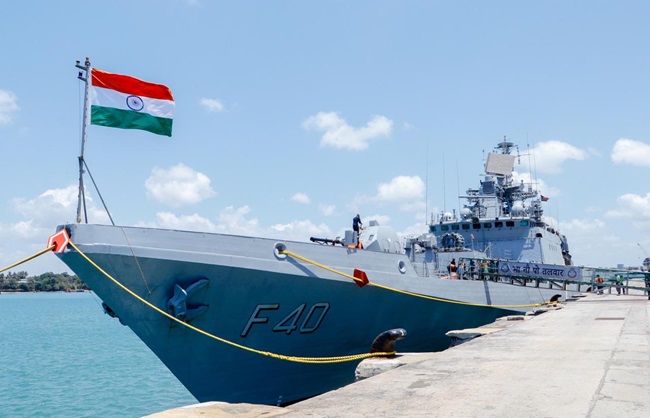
177, 304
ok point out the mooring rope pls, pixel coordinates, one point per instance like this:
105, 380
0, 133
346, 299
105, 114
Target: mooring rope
405, 292
296, 359
31, 257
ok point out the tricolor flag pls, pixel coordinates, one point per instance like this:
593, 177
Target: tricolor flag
544, 198
122, 101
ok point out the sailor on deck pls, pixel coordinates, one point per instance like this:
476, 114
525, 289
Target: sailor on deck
357, 225
451, 268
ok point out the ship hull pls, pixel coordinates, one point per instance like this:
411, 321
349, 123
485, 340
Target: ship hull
259, 299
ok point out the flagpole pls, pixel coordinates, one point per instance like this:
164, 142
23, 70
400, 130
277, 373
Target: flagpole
84, 77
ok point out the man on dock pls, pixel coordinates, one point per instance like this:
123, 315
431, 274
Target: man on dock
599, 284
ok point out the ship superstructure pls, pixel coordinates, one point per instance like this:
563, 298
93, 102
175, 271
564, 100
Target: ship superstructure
503, 217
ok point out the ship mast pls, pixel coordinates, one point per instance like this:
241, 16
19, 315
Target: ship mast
83, 76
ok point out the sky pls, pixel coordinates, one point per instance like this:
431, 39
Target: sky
293, 116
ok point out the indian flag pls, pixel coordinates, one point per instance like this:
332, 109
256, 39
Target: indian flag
122, 101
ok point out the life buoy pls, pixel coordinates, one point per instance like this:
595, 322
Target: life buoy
452, 241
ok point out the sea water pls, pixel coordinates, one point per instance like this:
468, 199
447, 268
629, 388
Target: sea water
61, 356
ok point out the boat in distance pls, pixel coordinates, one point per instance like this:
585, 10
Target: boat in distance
261, 293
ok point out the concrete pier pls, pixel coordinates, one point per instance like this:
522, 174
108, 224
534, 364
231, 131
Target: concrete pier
590, 359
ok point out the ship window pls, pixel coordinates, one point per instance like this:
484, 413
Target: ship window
444, 227
524, 223
510, 223
465, 226
487, 225
433, 229
455, 227
476, 226
498, 224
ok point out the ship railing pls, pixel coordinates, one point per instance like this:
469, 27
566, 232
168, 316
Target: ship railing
488, 270
617, 280
620, 281
421, 268
585, 285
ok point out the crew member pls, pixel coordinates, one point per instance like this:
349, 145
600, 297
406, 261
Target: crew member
357, 224
599, 284
451, 268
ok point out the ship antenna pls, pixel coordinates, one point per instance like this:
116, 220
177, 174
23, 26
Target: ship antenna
444, 185
533, 167
84, 75
458, 186
426, 186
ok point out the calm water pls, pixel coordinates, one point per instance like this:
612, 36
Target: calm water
61, 356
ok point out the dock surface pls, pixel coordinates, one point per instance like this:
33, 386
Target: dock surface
589, 359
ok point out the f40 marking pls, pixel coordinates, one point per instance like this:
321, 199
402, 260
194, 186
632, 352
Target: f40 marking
310, 323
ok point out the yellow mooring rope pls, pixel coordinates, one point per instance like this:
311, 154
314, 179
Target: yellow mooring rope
418, 295
31, 257
310, 360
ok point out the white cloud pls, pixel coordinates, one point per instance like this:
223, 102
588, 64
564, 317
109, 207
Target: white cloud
401, 189
631, 151
327, 210
39, 217
582, 226
8, 106
632, 206
301, 230
414, 230
338, 134
230, 220
178, 186
233, 221
549, 156
301, 198
405, 192
381, 219
596, 243
192, 222
212, 105
56, 206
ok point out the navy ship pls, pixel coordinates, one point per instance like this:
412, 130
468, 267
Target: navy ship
243, 319
269, 321
247, 319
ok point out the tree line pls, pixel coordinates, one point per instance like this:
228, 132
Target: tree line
46, 282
